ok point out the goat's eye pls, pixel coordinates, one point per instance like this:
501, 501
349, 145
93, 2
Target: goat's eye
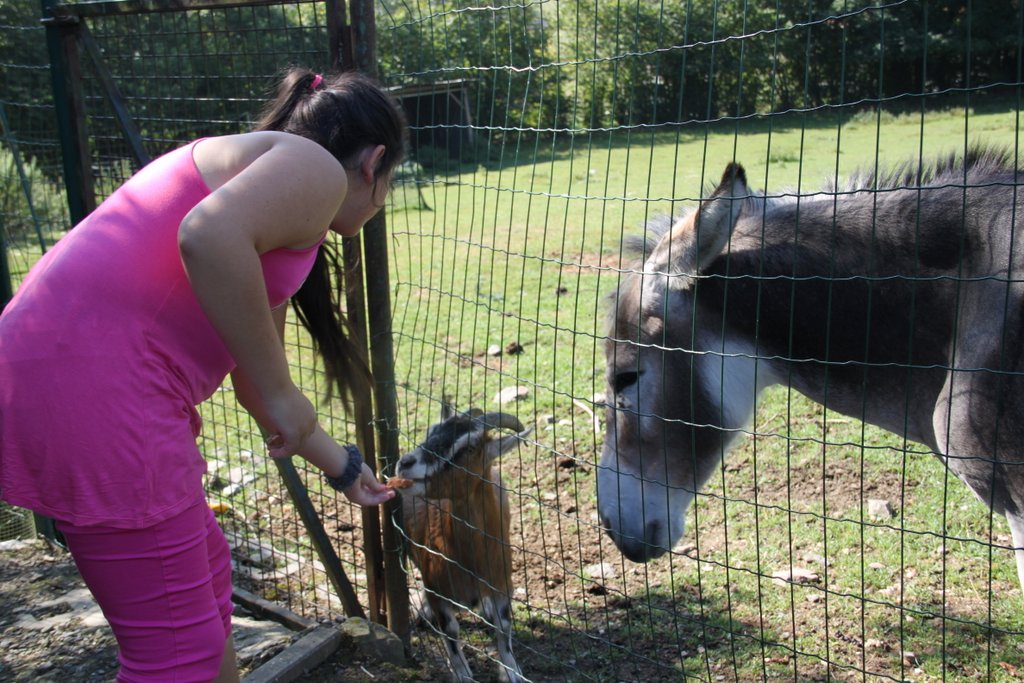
624, 380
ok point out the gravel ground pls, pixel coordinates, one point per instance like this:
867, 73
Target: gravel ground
50, 630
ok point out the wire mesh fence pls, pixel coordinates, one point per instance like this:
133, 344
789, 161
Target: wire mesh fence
543, 133
823, 547
15, 523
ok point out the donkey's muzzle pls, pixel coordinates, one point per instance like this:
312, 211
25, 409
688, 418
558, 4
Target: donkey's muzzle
651, 546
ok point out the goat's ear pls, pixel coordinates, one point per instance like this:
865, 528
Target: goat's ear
695, 241
503, 444
446, 407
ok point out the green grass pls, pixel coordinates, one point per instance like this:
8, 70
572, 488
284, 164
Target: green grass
525, 249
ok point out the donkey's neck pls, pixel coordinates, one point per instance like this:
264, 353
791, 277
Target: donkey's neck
831, 309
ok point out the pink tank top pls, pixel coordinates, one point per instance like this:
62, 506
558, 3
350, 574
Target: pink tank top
104, 354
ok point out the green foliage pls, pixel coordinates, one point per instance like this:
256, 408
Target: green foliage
594, 64
30, 202
502, 53
22, 47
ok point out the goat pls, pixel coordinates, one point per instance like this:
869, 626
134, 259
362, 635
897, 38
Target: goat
456, 518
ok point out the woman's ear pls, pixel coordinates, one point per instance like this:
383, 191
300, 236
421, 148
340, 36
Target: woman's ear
369, 162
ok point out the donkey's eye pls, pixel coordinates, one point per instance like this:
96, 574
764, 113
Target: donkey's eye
624, 380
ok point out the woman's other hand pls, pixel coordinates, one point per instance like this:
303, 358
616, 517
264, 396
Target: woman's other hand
289, 422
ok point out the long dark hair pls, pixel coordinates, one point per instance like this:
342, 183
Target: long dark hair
345, 113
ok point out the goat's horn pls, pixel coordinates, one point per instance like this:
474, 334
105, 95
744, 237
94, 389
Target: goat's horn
501, 421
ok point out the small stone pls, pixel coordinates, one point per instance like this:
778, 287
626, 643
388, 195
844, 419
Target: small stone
796, 575
602, 570
510, 394
375, 640
880, 509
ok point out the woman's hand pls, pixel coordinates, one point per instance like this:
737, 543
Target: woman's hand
367, 490
289, 422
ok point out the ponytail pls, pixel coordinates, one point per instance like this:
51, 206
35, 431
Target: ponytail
344, 113
318, 306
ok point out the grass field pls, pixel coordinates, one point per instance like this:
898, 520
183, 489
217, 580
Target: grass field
524, 249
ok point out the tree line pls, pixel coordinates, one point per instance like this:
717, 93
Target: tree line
540, 65
598, 63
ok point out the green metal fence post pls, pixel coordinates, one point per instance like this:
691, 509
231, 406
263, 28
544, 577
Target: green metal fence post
6, 291
65, 74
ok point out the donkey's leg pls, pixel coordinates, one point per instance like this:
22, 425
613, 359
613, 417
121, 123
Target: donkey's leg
983, 451
442, 617
498, 611
1016, 521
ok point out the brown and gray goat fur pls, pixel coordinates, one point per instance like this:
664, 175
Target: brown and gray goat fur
456, 519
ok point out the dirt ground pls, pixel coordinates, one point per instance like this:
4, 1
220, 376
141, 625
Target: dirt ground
585, 614
52, 631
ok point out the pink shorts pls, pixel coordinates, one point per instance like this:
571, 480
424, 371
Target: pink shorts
166, 591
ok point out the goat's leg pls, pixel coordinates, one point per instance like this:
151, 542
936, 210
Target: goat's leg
441, 616
498, 611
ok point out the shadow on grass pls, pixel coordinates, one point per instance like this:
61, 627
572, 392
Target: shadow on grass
658, 636
609, 638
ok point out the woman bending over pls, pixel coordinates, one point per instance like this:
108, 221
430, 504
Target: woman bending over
179, 278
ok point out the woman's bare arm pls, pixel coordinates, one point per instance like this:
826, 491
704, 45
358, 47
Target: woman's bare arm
285, 196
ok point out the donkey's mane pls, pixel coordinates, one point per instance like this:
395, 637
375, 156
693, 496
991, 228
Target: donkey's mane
639, 246
953, 168
979, 162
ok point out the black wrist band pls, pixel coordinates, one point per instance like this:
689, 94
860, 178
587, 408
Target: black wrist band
353, 470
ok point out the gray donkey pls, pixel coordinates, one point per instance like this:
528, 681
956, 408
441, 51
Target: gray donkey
897, 299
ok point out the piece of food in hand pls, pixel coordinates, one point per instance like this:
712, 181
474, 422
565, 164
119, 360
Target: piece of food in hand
398, 483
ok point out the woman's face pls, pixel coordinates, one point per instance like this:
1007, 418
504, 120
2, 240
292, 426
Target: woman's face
367, 193
359, 206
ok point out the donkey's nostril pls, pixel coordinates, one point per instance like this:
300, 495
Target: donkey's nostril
644, 549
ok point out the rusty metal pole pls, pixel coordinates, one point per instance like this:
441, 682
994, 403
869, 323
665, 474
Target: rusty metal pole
378, 292
341, 49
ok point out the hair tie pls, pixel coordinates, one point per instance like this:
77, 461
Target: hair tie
317, 80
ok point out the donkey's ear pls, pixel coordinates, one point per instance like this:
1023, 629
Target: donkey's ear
695, 241
718, 215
